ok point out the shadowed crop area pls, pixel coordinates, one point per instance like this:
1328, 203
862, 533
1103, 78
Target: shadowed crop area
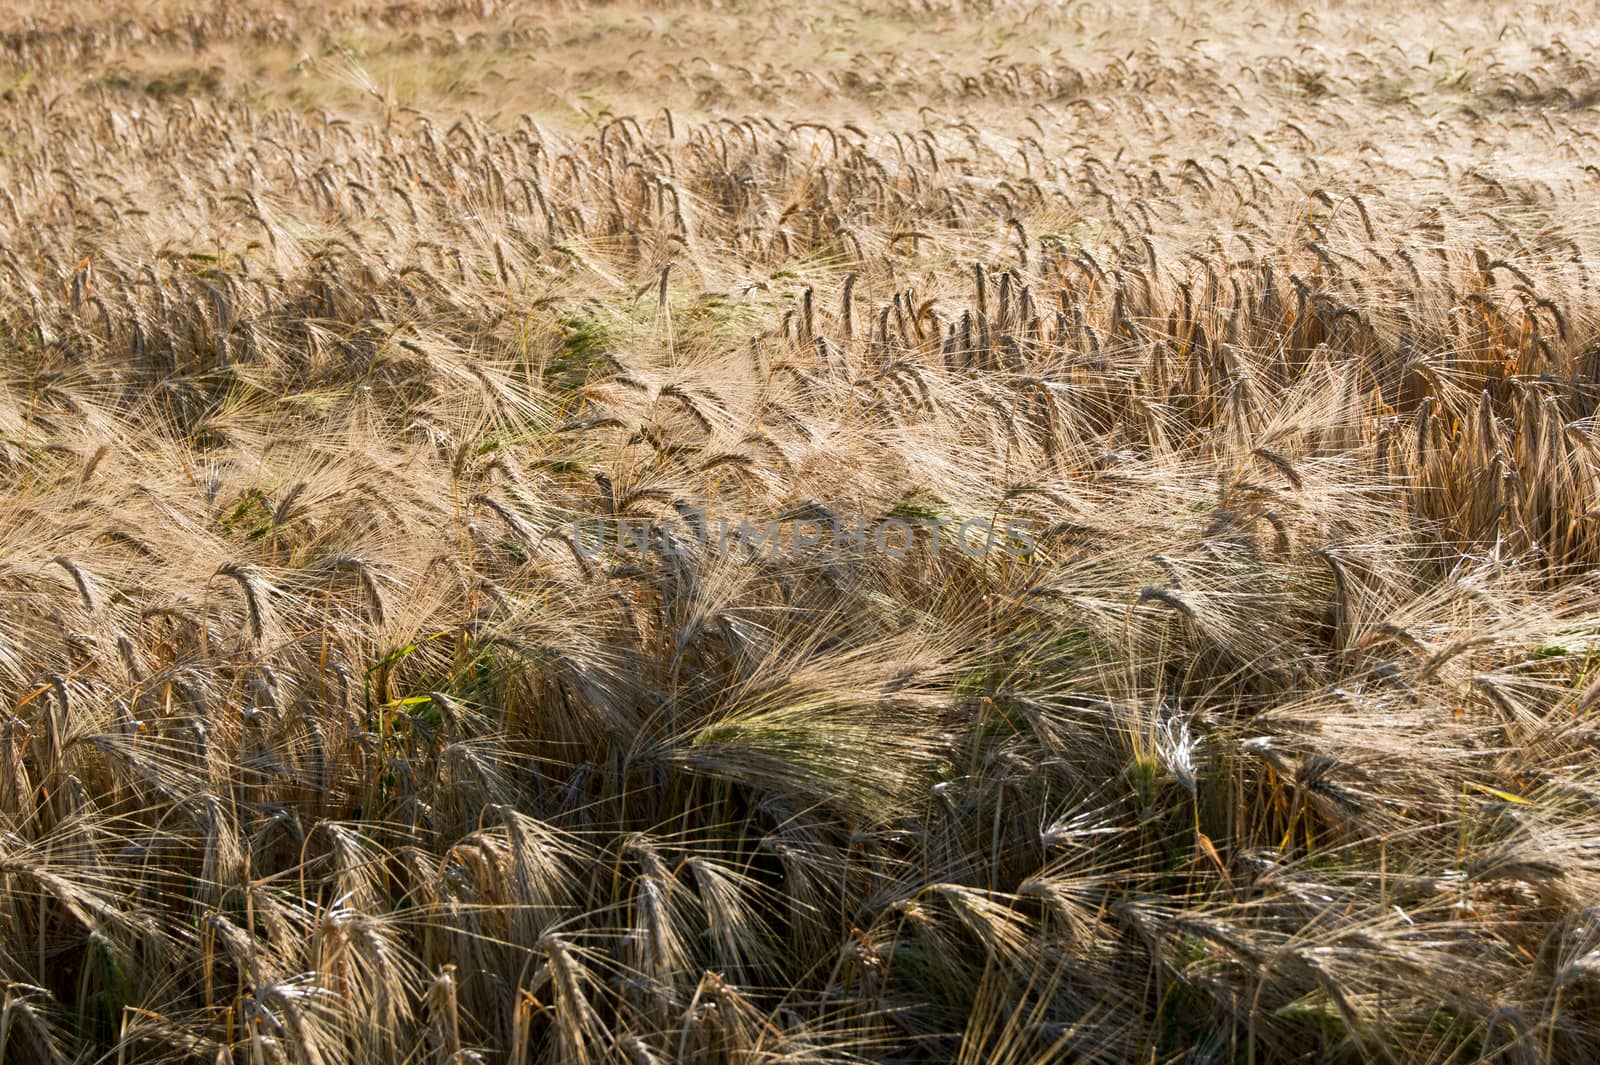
985, 532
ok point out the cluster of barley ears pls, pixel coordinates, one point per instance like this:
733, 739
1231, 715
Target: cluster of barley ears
325, 738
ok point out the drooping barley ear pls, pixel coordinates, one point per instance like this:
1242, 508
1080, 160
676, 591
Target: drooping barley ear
444, 1014
980, 282
690, 404
1366, 219
285, 511
85, 583
1171, 598
288, 1005
1281, 527
522, 1027
130, 659
57, 717
1555, 313
637, 1052
661, 293
1022, 240
93, 463
845, 316
578, 1026
1441, 657
368, 577
1344, 597
1094, 340
1282, 465
257, 595
1397, 633
26, 1030
512, 519
500, 263
372, 588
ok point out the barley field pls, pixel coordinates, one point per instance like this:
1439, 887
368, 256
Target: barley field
977, 531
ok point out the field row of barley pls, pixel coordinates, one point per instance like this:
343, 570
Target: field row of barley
408, 647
